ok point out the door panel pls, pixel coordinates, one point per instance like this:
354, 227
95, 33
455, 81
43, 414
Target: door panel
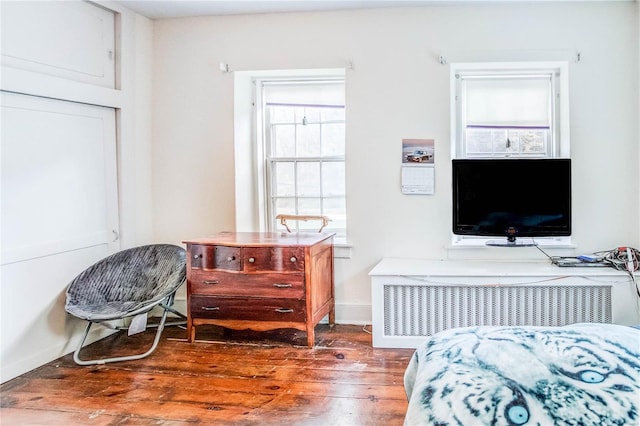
69, 39
59, 181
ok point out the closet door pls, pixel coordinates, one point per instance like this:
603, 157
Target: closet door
59, 181
74, 40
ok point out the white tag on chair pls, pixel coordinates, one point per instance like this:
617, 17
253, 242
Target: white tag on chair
138, 324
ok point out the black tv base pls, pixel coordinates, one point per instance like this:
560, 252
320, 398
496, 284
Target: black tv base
511, 242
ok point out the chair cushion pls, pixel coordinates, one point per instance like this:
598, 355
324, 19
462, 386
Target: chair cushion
130, 281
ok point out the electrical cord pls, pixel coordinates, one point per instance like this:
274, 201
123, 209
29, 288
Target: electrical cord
622, 258
625, 259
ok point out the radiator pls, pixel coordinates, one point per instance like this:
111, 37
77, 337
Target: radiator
412, 310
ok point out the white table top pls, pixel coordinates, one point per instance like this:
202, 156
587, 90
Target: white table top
425, 267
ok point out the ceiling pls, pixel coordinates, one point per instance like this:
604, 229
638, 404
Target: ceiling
157, 9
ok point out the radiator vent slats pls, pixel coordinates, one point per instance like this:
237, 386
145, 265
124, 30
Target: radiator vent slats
425, 310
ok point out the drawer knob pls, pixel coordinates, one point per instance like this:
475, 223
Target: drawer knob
197, 256
283, 285
293, 259
210, 282
252, 260
231, 258
284, 310
210, 308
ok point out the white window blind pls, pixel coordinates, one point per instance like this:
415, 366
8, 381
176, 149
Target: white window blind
506, 114
311, 93
508, 101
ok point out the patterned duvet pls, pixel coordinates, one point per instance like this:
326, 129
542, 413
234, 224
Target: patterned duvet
583, 374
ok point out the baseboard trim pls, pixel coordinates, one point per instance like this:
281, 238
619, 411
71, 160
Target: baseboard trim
26, 364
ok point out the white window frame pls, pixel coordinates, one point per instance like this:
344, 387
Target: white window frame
267, 176
559, 146
250, 181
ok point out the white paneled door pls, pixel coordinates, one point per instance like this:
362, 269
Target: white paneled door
59, 177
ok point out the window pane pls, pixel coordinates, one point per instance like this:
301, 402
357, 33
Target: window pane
500, 142
308, 140
284, 140
533, 141
332, 114
284, 206
310, 206
308, 179
284, 179
335, 209
333, 178
333, 139
505, 141
478, 141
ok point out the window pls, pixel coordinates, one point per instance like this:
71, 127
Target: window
303, 146
507, 115
509, 110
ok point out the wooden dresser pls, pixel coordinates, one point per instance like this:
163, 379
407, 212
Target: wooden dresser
260, 281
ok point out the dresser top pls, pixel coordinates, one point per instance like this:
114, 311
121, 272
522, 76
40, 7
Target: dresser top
259, 239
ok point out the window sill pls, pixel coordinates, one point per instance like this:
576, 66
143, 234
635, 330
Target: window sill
477, 249
342, 249
475, 243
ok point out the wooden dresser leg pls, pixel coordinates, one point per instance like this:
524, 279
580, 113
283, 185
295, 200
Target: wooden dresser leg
191, 333
311, 337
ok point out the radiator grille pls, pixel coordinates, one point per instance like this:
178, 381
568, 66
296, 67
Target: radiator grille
425, 310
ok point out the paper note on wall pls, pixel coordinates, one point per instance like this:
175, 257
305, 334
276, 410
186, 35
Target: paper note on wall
418, 179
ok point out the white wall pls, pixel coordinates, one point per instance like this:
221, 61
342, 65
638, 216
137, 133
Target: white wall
32, 292
397, 89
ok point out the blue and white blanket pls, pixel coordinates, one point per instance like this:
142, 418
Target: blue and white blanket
583, 374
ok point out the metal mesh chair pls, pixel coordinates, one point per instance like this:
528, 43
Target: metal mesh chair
125, 285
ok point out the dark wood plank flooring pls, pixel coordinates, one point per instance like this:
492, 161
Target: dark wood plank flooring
225, 377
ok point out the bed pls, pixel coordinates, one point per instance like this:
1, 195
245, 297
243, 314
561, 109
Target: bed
582, 374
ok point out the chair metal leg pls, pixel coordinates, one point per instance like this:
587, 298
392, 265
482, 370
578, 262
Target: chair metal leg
179, 314
76, 355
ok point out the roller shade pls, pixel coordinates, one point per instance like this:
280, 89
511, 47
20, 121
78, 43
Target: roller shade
510, 102
321, 94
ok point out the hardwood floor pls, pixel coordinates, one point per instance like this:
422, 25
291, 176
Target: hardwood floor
224, 377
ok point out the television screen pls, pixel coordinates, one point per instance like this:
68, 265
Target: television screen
512, 197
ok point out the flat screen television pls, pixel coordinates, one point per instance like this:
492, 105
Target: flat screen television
512, 198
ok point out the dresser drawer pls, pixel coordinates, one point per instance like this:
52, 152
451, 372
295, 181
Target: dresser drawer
285, 259
247, 308
220, 283
216, 257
